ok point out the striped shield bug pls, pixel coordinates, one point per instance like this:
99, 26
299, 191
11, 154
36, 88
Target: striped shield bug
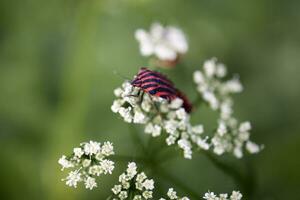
156, 84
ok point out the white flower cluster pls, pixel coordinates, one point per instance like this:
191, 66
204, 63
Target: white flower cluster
230, 136
166, 43
133, 184
172, 194
235, 195
159, 116
88, 162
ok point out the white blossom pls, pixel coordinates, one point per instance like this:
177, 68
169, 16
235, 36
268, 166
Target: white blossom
148, 184
123, 195
166, 43
221, 70
139, 117
230, 136
130, 180
172, 194
91, 148
222, 129
233, 86
187, 148
210, 196
147, 194
118, 92
65, 163
117, 189
73, 178
210, 67
202, 143
78, 152
236, 195
141, 177
107, 149
117, 104
252, 147
198, 129
126, 114
245, 126
198, 77
176, 103
107, 166
90, 183
85, 168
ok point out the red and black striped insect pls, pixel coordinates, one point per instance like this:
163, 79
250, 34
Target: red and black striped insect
156, 84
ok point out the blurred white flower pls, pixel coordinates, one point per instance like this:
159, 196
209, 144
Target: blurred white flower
166, 43
210, 67
245, 127
78, 152
89, 161
230, 136
252, 147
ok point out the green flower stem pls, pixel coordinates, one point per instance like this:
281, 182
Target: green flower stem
137, 139
246, 181
108, 198
176, 182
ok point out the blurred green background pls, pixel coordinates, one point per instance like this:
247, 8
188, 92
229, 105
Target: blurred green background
57, 60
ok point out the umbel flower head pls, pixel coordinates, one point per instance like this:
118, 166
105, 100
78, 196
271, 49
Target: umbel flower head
87, 162
230, 136
165, 43
133, 183
235, 195
159, 117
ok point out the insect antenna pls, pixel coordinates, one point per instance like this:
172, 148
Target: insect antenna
120, 75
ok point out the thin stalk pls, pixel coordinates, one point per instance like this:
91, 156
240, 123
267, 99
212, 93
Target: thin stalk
176, 182
108, 198
244, 180
229, 170
137, 139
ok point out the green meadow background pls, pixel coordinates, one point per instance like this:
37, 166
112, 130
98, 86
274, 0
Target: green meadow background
57, 63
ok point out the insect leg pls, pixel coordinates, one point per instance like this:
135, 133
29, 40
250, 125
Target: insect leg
142, 96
